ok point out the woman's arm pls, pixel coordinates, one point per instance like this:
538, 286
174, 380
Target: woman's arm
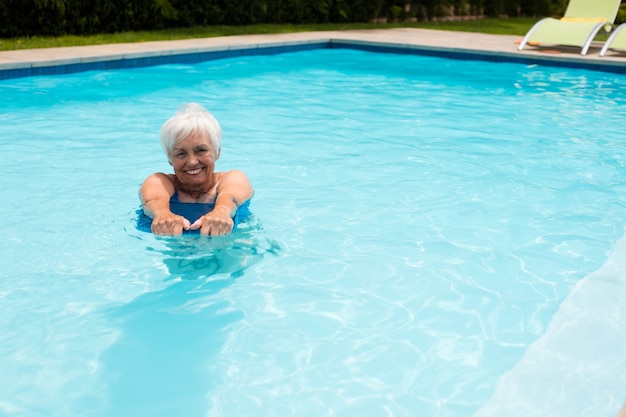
155, 195
234, 189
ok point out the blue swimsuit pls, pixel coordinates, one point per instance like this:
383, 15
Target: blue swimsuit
192, 212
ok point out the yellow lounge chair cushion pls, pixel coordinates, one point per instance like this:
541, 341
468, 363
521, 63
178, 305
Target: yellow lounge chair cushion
583, 19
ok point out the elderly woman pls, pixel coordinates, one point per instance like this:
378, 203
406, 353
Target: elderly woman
192, 139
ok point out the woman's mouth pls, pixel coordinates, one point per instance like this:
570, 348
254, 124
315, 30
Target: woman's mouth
193, 171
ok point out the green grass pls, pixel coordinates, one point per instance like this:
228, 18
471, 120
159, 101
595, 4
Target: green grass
505, 26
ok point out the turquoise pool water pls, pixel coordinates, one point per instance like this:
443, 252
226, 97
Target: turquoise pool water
419, 226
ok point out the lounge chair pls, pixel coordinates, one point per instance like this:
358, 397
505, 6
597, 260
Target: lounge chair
582, 20
617, 40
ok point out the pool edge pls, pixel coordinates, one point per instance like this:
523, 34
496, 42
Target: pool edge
150, 58
484, 55
493, 48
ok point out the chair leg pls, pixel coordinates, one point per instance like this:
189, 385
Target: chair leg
589, 39
609, 41
530, 32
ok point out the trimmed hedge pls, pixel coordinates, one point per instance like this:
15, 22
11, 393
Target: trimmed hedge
20, 18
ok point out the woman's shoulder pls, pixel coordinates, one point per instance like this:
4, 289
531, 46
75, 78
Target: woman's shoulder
165, 180
162, 176
236, 182
228, 177
232, 173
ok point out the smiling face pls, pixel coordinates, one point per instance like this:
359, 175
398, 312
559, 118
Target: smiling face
193, 159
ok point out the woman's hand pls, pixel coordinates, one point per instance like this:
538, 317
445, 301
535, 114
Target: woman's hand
215, 223
233, 190
169, 224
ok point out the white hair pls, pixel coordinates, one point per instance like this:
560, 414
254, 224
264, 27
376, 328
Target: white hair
190, 119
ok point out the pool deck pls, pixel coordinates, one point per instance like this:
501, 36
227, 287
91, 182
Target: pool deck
494, 47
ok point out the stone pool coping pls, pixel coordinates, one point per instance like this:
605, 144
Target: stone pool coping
462, 45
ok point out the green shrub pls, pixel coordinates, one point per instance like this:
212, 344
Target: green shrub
24, 18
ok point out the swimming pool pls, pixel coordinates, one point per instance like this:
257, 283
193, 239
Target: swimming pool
418, 227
